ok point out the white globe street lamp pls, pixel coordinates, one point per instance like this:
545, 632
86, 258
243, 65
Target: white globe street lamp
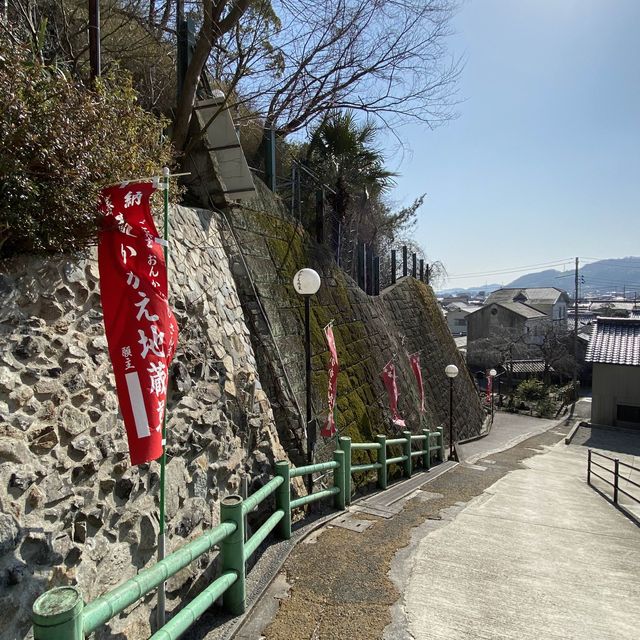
492, 374
451, 372
307, 282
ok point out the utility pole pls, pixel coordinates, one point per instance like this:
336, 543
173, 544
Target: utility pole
94, 39
575, 337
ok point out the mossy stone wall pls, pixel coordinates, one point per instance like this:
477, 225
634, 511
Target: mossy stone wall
369, 331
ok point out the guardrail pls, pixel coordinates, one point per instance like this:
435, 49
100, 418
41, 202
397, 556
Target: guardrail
616, 475
61, 614
381, 445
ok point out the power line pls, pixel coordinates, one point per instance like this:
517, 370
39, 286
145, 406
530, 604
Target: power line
556, 263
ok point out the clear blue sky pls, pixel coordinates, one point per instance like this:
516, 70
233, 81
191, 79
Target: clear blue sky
543, 162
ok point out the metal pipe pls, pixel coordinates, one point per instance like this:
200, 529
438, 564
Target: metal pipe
182, 620
105, 607
382, 461
396, 460
312, 468
451, 456
394, 269
307, 354
407, 454
370, 466
616, 476
283, 498
232, 554
365, 445
260, 535
338, 478
314, 497
253, 501
441, 440
404, 261
57, 615
345, 445
426, 458
392, 441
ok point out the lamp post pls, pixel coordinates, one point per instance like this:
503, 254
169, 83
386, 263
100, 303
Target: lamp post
492, 375
452, 371
307, 282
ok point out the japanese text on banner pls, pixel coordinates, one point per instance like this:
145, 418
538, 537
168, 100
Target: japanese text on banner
141, 330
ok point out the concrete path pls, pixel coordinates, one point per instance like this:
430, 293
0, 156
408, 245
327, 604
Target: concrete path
539, 555
508, 430
614, 443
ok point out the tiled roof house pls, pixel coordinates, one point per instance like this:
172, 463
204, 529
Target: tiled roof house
614, 350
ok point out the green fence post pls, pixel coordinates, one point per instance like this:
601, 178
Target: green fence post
407, 452
441, 441
338, 479
283, 498
426, 456
232, 552
57, 615
382, 461
345, 445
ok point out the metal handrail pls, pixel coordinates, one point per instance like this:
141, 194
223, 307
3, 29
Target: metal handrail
79, 620
616, 475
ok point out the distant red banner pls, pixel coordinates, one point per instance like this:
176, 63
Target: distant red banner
414, 359
388, 376
141, 330
329, 428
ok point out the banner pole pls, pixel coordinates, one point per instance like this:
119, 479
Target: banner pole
163, 460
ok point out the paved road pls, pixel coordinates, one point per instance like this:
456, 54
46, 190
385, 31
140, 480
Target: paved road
539, 555
508, 430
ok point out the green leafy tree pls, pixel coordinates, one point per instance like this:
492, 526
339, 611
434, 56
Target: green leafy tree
59, 144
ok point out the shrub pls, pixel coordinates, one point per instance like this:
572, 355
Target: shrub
59, 144
531, 391
545, 408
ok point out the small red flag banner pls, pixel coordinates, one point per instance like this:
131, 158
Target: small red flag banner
414, 359
329, 428
141, 330
489, 389
388, 376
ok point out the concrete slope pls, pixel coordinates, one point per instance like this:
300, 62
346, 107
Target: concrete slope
539, 555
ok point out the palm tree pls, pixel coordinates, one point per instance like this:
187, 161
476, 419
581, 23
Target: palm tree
343, 152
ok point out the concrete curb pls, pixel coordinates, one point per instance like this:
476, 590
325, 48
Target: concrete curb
573, 431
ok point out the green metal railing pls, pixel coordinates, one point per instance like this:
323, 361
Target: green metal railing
61, 614
381, 445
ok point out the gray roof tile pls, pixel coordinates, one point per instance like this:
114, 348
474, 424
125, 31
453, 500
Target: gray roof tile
533, 295
615, 341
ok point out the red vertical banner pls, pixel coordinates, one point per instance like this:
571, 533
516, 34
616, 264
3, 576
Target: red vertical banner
388, 376
414, 359
141, 330
329, 428
489, 389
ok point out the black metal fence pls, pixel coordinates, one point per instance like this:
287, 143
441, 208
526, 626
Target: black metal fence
615, 472
309, 201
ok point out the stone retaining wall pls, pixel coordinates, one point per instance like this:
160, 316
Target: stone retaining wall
72, 509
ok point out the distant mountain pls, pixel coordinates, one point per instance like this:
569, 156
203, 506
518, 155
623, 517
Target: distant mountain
472, 291
611, 277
